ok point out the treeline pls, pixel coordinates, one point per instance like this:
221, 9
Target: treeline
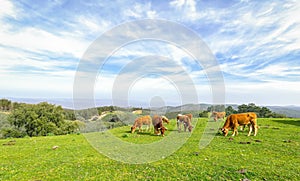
262, 112
21, 119
36, 120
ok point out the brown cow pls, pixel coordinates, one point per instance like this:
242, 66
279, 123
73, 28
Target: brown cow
235, 120
218, 115
186, 121
157, 122
190, 116
139, 122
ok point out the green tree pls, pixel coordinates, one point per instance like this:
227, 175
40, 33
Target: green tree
37, 120
251, 107
229, 110
5, 105
203, 114
242, 108
277, 115
69, 114
218, 108
265, 112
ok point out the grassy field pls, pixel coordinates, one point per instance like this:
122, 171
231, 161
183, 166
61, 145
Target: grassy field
274, 154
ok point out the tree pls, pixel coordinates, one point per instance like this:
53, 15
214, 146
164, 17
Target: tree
251, 107
229, 110
5, 105
265, 112
38, 120
69, 114
242, 108
218, 108
203, 114
262, 112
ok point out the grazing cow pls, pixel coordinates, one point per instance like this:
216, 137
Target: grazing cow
186, 121
235, 120
218, 115
139, 122
190, 116
157, 122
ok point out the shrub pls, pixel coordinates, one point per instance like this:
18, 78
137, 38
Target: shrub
12, 133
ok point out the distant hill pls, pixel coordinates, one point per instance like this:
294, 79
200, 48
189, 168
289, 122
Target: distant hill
187, 107
289, 111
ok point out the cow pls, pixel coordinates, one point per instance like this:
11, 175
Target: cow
218, 115
186, 121
235, 120
140, 121
157, 122
190, 116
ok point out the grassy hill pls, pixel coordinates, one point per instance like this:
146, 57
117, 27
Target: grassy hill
275, 156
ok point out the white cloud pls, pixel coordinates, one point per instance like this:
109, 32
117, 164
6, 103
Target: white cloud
187, 9
151, 14
177, 3
87, 27
139, 10
37, 40
7, 9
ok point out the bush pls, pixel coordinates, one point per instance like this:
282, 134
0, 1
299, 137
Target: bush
203, 114
12, 133
39, 120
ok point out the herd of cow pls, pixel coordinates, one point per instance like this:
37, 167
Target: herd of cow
157, 122
233, 121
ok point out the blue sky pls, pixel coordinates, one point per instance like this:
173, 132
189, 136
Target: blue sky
256, 43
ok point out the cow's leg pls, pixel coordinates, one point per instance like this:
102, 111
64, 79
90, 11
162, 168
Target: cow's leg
233, 134
242, 128
255, 129
226, 132
178, 126
250, 129
235, 130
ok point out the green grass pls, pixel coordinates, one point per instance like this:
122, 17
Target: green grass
276, 157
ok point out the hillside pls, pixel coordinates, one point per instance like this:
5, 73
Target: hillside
272, 155
289, 111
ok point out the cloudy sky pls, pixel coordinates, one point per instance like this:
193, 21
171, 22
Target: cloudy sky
255, 43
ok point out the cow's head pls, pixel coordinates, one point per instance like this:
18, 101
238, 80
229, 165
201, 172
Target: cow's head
225, 131
133, 129
213, 114
190, 128
165, 119
162, 130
